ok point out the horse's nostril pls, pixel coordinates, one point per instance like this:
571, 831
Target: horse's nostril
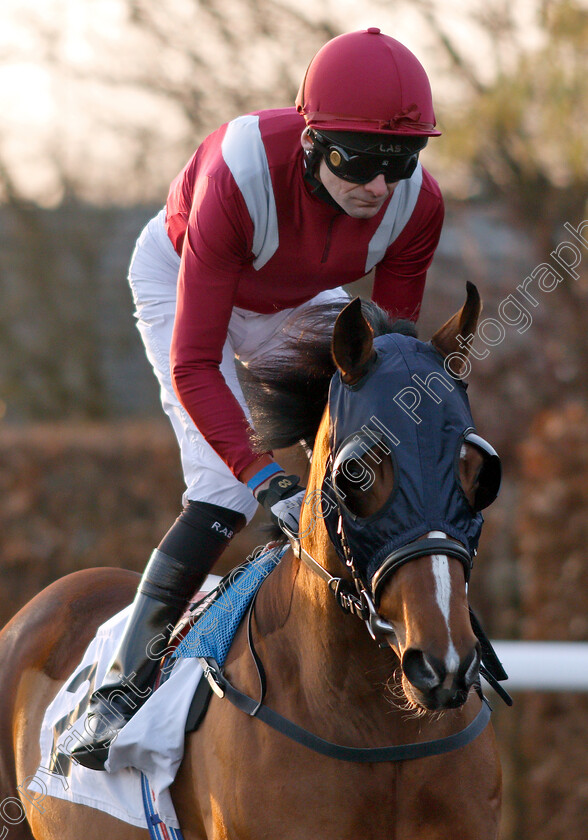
422, 671
439, 688
470, 667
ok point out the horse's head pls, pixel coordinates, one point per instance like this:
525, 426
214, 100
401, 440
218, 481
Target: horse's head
402, 477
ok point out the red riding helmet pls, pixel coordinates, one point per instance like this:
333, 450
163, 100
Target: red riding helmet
366, 81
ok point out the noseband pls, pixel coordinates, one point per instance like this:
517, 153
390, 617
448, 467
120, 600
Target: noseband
364, 603
414, 550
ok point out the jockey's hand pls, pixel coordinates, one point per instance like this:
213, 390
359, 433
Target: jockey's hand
282, 499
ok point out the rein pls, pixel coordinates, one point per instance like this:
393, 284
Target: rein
222, 687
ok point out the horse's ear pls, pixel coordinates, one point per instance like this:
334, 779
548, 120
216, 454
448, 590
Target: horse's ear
352, 346
462, 324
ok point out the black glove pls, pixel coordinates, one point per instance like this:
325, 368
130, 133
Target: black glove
283, 499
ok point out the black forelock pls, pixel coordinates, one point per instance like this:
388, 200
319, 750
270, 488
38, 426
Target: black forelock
287, 394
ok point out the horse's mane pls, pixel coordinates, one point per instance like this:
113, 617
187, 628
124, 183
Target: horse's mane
287, 394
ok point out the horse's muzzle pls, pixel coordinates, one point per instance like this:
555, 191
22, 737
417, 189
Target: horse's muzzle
430, 685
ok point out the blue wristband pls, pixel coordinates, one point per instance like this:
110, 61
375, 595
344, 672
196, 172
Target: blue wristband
262, 475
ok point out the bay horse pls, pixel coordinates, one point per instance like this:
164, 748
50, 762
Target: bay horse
414, 682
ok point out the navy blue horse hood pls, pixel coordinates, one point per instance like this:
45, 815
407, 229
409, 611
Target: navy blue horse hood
408, 406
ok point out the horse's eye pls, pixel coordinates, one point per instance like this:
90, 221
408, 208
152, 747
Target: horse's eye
355, 470
363, 476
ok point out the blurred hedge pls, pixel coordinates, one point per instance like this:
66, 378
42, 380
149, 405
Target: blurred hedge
77, 496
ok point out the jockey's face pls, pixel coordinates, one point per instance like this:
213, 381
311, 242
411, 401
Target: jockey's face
360, 201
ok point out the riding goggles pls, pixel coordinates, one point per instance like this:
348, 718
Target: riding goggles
360, 168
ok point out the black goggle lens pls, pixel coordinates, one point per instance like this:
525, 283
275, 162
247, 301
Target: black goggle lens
362, 168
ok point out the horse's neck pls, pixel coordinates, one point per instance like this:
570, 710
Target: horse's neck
305, 629
326, 673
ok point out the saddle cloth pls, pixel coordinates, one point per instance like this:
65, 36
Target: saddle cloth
151, 745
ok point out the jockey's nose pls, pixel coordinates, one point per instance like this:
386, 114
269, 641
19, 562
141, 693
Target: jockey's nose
377, 186
439, 687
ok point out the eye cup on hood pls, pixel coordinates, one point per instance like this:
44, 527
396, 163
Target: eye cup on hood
363, 474
490, 473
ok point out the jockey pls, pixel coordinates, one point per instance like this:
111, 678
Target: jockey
275, 211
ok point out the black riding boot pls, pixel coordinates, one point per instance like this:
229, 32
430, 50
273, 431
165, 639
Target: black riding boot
197, 539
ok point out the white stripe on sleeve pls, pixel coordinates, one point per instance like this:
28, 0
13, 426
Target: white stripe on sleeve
244, 153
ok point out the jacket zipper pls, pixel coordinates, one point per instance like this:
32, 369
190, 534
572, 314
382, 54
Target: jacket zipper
327, 247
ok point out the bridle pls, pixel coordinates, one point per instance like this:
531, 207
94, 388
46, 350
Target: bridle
356, 597
362, 602
362, 606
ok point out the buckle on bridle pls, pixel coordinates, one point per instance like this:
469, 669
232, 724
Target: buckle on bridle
346, 598
379, 629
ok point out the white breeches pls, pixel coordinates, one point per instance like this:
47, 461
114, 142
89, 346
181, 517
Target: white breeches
153, 275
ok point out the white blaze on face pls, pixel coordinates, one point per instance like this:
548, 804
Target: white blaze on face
442, 577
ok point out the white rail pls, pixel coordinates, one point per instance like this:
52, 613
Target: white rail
531, 666
544, 666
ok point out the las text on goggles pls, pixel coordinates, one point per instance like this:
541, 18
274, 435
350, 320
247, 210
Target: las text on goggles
359, 167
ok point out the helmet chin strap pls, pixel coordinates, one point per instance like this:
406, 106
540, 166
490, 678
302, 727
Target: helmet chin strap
312, 158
